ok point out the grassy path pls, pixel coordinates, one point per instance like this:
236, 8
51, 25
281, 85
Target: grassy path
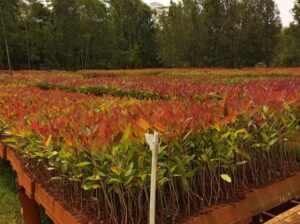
10, 208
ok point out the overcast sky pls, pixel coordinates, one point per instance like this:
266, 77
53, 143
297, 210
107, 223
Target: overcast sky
285, 7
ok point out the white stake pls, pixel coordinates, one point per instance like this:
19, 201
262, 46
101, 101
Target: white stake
153, 142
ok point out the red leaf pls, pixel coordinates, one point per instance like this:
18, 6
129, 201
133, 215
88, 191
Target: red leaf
35, 126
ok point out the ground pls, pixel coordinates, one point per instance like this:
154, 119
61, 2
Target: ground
10, 209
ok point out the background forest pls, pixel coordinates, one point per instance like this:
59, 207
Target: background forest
113, 34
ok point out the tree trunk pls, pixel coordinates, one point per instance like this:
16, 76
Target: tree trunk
5, 40
87, 53
27, 46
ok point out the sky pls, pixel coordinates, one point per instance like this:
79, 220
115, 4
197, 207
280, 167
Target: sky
284, 6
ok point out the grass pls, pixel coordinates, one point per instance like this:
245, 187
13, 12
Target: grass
10, 205
10, 208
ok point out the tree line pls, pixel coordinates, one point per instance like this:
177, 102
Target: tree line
113, 34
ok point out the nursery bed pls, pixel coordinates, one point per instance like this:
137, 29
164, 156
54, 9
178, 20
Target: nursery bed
256, 202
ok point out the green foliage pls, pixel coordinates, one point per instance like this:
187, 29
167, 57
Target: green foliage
92, 34
78, 34
296, 12
219, 33
100, 91
288, 53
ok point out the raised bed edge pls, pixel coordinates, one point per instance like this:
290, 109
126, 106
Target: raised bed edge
34, 191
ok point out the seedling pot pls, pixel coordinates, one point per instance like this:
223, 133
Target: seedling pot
256, 202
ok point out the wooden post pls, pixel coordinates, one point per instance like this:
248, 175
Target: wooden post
31, 212
153, 142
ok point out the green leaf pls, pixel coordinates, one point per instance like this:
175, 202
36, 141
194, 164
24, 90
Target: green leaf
113, 180
162, 148
243, 153
8, 140
185, 184
130, 170
50, 168
173, 169
265, 109
241, 131
129, 180
56, 178
187, 135
64, 154
180, 164
88, 187
126, 134
116, 170
162, 181
94, 178
204, 157
100, 173
241, 163
144, 176
83, 164
54, 153
226, 177
224, 136
273, 141
48, 140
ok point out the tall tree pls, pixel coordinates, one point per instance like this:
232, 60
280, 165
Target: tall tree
133, 32
213, 15
201, 33
5, 38
34, 17
67, 23
288, 54
222, 20
9, 27
94, 34
230, 35
296, 12
180, 35
260, 28
171, 36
